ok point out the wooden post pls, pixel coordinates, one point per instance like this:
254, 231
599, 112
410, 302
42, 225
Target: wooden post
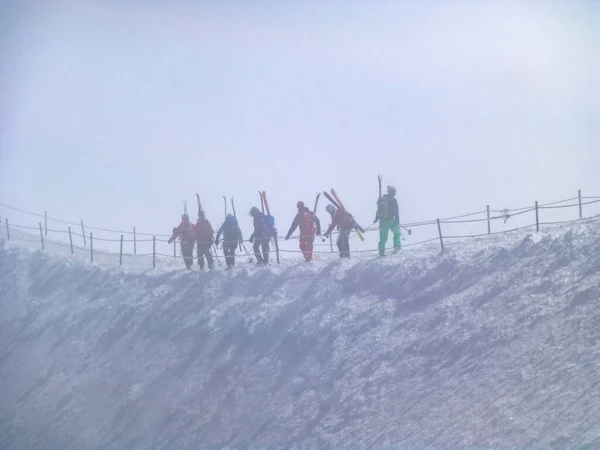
580, 205
83, 234
91, 247
7, 230
537, 218
154, 252
71, 240
41, 235
488, 219
440, 231
121, 252
134, 242
46, 223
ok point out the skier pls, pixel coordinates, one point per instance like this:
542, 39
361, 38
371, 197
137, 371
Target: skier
345, 224
232, 235
203, 233
260, 236
185, 231
388, 216
309, 225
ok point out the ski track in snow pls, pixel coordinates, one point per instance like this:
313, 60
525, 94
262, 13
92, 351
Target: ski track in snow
493, 344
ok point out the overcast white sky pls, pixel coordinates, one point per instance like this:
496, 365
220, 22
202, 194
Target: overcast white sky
115, 111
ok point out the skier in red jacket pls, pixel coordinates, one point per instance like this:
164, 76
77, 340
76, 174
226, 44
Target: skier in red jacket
341, 219
203, 233
309, 226
185, 230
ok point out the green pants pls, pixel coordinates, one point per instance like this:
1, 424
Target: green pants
385, 226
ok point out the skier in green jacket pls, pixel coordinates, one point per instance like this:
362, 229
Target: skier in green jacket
389, 219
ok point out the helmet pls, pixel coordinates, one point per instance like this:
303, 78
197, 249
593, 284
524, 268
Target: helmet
300, 205
330, 209
254, 211
391, 190
230, 218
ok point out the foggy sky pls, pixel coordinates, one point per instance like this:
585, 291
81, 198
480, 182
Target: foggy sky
113, 113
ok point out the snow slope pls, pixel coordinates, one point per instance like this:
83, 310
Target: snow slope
494, 344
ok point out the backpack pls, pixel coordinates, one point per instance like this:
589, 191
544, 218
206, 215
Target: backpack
343, 218
383, 207
270, 225
307, 224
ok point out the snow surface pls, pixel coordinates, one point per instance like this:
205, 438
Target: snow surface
493, 344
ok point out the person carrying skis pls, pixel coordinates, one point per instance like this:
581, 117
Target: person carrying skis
309, 226
185, 231
341, 219
203, 233
260, 236
389, 219
232, 235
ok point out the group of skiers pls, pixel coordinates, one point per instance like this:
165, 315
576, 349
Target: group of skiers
201, 233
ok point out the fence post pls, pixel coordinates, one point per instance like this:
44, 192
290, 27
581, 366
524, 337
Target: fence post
71, 240
91, 247
41, 235
7, 230
580, 205
537, 218
488, 219
134, 242
154, 252
440, 231
83, 234
121, 252
46, 223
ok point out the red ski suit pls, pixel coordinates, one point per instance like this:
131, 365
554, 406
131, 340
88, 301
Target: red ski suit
309, 226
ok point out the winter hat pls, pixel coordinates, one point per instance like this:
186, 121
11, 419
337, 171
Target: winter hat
254, 211
391, 190
330, 209
300, 205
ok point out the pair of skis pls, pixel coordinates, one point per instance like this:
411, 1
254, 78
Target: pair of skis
335, 201
265, 207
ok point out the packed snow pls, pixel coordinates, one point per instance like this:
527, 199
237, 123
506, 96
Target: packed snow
491, 344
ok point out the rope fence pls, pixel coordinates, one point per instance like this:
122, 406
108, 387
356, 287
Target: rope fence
439, 230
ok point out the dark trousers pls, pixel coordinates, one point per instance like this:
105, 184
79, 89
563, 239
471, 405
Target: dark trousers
229, 252
264, 244
204, 251
343, 243
187, 251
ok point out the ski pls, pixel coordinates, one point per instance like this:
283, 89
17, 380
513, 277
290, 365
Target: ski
316, 203
200, 209
225, 202
241, 244
330, 198
379, 179
359, 229
264, 201
185, 207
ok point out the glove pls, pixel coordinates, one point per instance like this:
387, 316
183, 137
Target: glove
170, 241
251, 240
287, 237
326, 235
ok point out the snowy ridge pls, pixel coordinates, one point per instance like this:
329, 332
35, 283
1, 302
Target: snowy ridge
493, 344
